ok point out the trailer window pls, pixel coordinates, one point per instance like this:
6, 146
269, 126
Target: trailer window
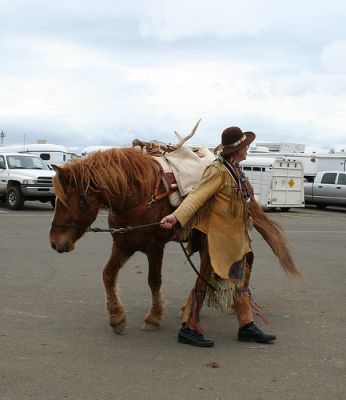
247, 168
342, 179
329, 177
45, 156
257, 168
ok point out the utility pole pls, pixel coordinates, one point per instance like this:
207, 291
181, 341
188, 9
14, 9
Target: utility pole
2, 137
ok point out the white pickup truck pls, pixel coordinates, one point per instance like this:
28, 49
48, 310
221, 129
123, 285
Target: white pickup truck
327, 189
24, 177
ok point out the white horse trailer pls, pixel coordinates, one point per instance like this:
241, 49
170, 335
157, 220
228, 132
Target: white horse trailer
312, 162
277, 182
49, 153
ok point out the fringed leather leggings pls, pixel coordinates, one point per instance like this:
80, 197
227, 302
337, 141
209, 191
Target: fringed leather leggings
192, 309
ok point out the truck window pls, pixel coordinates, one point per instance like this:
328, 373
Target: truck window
329, 177
2, 162
24, 162
45, 156
342, 179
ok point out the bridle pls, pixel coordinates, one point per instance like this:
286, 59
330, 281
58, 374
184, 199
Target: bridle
82, 208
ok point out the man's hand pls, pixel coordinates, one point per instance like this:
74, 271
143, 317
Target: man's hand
168, 221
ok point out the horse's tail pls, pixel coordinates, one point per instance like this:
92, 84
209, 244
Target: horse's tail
273, 235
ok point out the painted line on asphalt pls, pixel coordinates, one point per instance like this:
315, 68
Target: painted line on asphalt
8, 214
286, 231
12, 311
312, 214
26, 215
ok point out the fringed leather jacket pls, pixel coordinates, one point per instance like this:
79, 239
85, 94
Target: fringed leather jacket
217, 207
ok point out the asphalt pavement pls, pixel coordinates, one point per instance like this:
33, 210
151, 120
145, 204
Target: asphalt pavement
55, 342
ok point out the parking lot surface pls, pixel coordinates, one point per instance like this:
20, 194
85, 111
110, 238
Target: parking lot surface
55, 341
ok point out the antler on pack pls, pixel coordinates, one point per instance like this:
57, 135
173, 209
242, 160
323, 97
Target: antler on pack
182, 140
154, 146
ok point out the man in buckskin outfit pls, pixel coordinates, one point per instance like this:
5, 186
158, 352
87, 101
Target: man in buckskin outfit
222, 207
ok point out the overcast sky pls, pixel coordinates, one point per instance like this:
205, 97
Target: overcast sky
104, 72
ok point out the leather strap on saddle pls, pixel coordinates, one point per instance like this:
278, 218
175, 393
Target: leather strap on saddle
142, 208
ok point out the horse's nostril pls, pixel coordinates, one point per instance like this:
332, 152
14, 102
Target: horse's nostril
53, 245
66, 247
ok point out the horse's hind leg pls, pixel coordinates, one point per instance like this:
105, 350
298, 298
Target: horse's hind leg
116, 310
154, 316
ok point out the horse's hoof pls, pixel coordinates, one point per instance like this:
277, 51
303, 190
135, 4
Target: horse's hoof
149, 327
119, 328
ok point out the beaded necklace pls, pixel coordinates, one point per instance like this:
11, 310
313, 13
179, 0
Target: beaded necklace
234, 169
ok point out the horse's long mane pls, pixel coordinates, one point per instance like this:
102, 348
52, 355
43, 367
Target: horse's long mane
114, 173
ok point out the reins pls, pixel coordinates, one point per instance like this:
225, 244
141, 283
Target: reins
123, 230
187, 255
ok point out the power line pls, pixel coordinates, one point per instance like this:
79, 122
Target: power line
2, 137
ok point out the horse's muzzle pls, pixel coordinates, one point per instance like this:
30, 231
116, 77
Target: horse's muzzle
64, 248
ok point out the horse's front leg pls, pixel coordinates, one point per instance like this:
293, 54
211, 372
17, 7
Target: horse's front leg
116, 310
153, 318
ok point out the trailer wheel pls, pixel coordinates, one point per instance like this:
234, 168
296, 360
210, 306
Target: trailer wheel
14, 198
285, 208
52, 202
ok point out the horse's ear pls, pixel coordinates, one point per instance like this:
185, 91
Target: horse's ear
56, 168
62, 172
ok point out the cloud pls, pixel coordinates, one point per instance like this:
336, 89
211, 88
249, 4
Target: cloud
82, 73
169, 20
334, 57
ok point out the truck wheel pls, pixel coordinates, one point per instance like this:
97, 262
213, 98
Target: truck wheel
284, 208
14, 198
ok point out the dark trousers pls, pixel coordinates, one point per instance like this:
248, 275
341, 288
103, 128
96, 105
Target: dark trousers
190, 317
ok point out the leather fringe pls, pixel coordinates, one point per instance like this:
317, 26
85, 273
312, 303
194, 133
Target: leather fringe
223, 297
236, 206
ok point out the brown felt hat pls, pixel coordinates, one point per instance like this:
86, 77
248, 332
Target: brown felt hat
233, 139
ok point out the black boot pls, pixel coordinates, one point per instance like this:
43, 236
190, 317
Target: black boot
188, 336
250, 333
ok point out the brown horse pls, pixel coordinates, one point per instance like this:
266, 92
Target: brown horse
129, 183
